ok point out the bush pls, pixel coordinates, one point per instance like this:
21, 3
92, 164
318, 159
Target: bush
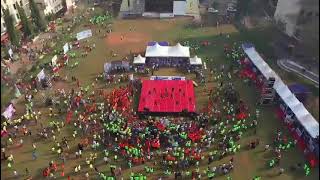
50, 17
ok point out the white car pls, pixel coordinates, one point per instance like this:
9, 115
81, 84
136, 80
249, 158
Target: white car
212, 10
231, 9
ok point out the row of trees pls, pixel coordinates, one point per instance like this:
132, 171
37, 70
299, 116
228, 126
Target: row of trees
29, 27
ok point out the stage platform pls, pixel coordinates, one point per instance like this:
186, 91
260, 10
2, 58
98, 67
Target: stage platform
167, 96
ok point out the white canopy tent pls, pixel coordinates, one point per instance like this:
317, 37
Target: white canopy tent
195, 61
257, 60
282, 89
139, 60
301, 113
310, 124
157, 51
167, 51
178, 51
291, 101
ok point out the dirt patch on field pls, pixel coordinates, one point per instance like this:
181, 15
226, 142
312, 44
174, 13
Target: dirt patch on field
127, 41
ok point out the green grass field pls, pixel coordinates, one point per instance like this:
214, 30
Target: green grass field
247, 163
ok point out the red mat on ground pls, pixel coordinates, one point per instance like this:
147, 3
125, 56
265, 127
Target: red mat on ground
167, 96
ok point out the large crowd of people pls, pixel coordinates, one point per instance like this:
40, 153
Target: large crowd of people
106, 123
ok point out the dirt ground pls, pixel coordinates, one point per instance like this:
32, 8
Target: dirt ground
247, 163
133, 41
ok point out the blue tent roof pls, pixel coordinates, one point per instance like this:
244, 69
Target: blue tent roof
247, 45
162, 43
298, 89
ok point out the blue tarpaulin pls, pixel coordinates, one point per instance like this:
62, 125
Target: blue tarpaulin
299, 89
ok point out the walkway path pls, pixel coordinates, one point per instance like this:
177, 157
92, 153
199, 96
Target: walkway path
298, 69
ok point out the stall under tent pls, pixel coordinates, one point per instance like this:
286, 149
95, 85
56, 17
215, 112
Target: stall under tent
116, 66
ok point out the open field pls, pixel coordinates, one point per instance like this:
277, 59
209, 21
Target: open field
248, 163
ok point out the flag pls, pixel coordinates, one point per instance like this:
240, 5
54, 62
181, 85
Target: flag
10, 53
54, 60
17, 94
131, 77
69, 116
8, 113
41, 75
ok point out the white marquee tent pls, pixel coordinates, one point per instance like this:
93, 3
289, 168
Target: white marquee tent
257, 60
178, 51
311, 125
157, 51
282, 89
167, 51
139, 60
195, 61
301, 113
291, 101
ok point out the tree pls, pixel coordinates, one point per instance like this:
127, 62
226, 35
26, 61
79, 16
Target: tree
308, 29
64, 5
26, 25
11, 30
215, 5
242, 8
38, 20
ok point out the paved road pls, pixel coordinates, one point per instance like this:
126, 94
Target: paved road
298, 69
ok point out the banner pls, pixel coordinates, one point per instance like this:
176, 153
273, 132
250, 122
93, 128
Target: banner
65, 48
8, 113
69, 116
41, 75
17, 93
166, 15
54, 60
167, 78
84, 34
10, 53
131, 77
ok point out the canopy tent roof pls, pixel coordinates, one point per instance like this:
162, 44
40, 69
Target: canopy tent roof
161, 43
139, 60
167, 51
301, 113
195, 61
157, 51
282, 89
311, 125
178, 51
257, 60
291, 101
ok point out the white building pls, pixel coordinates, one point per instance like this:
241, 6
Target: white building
12, 6
287, 12
70, 3
50, 6
295, 15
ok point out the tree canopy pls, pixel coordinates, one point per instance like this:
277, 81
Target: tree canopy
37, 19
11, 30
26, 25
